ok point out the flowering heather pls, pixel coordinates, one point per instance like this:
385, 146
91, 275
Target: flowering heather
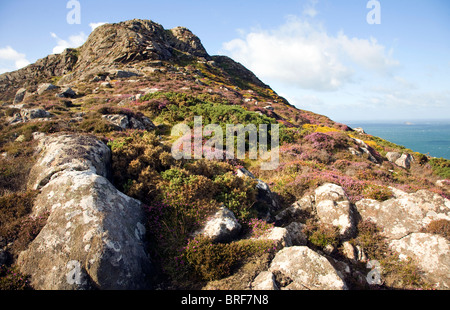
258, 227
321, 141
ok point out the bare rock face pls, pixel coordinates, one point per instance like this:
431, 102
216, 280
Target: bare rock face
431, 253
334, 208
265, 281
69, 152
306, 269
405, 214
93, 237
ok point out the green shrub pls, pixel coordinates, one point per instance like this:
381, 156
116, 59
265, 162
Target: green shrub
212, 261
321, 235
137, 161
441, 167
237, 194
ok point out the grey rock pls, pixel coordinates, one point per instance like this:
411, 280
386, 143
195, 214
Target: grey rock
42, 88
431, 253
333, 208
393, 156
307, 269
94, 237
279, 235
66, 92
265, 281
222, 226
20, 96
265, 195
127, 122
68, 152
404, 161
406, 213
296, 233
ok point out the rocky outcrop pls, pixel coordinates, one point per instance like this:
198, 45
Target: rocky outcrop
332, 207
95, 235
406, 213
26, 115
125, 122
402, 160
69, 152
431, 253
306, 269
20, 95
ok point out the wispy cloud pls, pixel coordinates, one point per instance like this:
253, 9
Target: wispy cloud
310, 8
10, 59
72, 42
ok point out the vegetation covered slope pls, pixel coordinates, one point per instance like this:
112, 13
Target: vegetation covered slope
139, 71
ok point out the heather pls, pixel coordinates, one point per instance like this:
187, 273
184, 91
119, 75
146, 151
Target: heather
179, 196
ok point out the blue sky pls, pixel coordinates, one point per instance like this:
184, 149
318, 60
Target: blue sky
322, 55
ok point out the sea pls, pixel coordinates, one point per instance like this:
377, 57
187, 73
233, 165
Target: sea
430, 137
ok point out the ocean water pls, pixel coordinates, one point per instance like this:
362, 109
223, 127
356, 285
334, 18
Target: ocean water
426, 137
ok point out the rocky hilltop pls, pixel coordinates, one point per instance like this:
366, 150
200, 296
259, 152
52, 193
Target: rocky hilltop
92, 198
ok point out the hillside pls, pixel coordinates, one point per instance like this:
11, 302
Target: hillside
89, 187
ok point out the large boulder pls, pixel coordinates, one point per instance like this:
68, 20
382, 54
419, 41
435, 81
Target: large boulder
404, 161
222, 226
431, 253
94, 237
69, 152
306, 269
20, 96
129, 122
405, 213
26, 115
42, 88
333, 208
265, 281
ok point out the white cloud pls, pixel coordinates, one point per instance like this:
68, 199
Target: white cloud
73, 42
304, 55
11, 60
95, 25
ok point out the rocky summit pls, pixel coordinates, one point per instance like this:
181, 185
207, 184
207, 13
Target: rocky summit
92, 197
